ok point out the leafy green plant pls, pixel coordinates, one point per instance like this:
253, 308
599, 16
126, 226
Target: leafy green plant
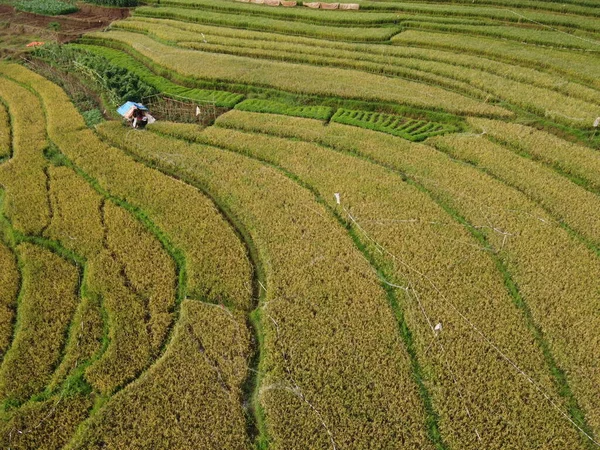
92, 117
45, 7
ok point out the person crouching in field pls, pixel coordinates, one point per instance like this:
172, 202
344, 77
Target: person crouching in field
139, 119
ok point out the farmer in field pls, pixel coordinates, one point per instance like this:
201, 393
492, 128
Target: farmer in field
139, 119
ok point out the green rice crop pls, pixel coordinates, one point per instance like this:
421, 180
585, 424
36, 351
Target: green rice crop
519, 34
576, 65
311, 16
530, 89
411, 129
274, 107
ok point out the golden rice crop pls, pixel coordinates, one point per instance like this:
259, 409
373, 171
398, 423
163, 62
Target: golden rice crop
44, 425
76, 222
147, 268
556, 274
216, 261
412, 229
339, 18
512, 60
85, 339
9, 286
531, 36
128, 350
190, 398
23, 177
527, 88
300, 78
321, 294
574, 64
577, 161
356, 33
46, 305
5, 143
566, 201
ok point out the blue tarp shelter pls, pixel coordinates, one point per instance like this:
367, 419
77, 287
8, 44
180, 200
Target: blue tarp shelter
125, 107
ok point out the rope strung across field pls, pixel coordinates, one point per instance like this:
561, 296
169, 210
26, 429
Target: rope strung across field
590, 41
535, 384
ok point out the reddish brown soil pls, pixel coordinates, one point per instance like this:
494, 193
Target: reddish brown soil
88, 18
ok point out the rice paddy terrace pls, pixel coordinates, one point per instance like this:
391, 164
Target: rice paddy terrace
389, 239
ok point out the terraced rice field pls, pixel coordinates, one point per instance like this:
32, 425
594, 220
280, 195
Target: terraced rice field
389, 238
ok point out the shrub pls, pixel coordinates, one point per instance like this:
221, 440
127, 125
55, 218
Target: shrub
161, 84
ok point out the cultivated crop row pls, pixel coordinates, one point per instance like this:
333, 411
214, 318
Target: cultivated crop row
274, 107
581, 7
413, 130
411, 236
556, 274
163, 85
216, 261
129, 284
9, 287
320, 294
311, 16
567, 202
538, 92
398, 11
267, 24
522, 35
299, 78
4, 133
23, 178
579, 163
46, 304
583, 21
453, 49
194, 388
577, 65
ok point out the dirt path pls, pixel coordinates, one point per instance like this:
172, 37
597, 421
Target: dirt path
70, 26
